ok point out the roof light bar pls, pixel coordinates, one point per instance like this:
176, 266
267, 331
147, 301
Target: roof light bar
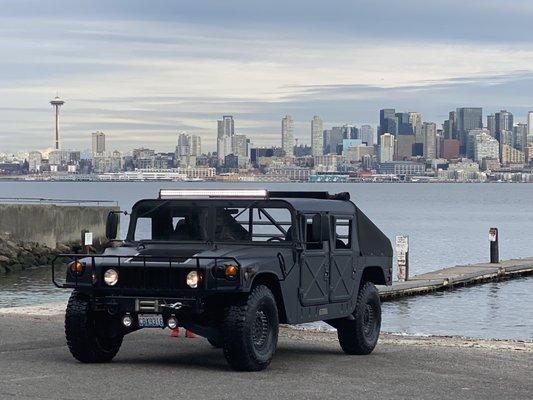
212, 194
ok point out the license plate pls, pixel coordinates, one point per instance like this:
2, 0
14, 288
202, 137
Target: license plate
150, 321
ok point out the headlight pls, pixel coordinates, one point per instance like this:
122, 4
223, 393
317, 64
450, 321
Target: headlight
192, 279
111, 277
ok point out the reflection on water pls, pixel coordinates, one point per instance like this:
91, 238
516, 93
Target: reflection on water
496, 310
29, 287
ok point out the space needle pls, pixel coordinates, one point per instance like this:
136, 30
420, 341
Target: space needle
57, 103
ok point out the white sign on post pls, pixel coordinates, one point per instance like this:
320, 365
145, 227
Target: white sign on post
402, 257
88, 239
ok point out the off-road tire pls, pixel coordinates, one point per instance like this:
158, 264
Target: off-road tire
360, 335
250, 331
216, 343
82, 339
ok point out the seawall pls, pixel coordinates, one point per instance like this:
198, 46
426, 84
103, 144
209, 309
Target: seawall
52, 225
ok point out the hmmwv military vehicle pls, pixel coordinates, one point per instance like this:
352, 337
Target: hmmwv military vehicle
230, 265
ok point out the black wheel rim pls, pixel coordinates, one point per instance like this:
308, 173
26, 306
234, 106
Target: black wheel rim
260, 329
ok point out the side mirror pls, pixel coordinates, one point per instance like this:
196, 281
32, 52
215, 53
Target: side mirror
111, 227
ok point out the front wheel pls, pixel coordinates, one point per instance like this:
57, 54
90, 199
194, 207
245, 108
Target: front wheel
250, 331
87, 337
360, 335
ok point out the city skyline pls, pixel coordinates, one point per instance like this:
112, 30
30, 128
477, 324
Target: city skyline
135, 70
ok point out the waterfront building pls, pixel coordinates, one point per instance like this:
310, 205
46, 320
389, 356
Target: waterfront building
367, 134
143, 158
317, 139
103, 164
468, 118
484, 146
490, 164
287, 135
98, 143
35, 159
503, 122
510, 155
386, 148
429, 133
407, 168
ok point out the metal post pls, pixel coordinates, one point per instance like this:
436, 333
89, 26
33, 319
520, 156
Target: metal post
402, 255
494, 248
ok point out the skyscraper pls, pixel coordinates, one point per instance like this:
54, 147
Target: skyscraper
468, 118
367, 134
520, 137
504, 122
188, 149
485, 146
388, 122
429, 132
386, 148
530, 126
225, 132
415, 120
317, 139
98, 143
287, 135
491, 124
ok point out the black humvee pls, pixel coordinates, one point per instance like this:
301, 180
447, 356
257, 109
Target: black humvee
230, 265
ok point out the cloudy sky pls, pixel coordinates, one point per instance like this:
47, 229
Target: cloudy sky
140, 71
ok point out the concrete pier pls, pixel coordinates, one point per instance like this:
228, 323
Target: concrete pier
460, 275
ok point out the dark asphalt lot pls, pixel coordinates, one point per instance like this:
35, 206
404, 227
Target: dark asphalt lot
35, 364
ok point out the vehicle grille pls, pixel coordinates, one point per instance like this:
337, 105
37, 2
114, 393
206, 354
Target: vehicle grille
152, 278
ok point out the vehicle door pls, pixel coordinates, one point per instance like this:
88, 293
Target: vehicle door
314, 262
342, 260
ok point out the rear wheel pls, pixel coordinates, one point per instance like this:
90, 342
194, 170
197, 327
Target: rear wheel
250, 331
87, 337
360, 335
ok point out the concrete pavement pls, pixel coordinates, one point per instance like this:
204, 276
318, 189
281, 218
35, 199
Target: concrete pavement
35, 364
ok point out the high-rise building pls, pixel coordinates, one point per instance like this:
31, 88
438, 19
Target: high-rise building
404, 127
491, 124
520, 136
485, 146
225, 132
429, 132
415, 120
470, 141
35, 159
511, 156
404, 147
287, 135
98, 143
503, 122
388, 122
468, 118
367, 134
530, 127
188, 149
241, 146
386, 148
317, 139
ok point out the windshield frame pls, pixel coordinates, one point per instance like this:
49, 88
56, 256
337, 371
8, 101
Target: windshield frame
212, 204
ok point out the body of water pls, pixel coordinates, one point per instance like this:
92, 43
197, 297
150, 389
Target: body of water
447, 225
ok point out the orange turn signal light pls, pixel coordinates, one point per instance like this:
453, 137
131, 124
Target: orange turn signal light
76, 268
231, 271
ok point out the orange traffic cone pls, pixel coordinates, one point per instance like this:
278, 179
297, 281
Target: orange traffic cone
175, 332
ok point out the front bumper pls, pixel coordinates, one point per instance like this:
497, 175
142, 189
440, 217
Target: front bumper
149, 305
